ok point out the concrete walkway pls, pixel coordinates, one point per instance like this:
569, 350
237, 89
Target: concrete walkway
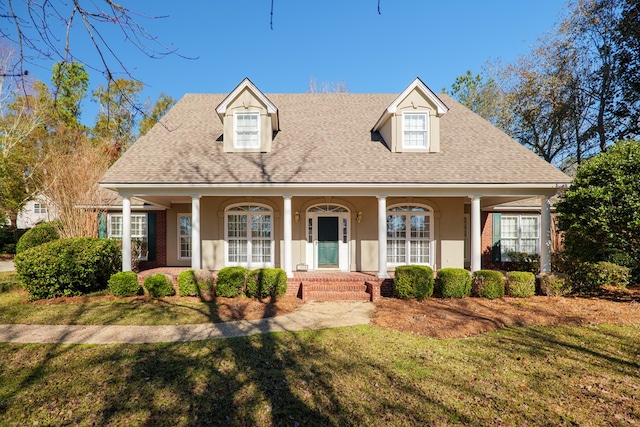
7, 266
310, 316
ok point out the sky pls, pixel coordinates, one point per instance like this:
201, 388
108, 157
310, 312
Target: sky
329, 40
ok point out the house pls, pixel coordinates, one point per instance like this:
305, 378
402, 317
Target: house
345, 182
34, 212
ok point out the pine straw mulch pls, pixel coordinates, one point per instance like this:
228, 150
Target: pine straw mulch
451, 318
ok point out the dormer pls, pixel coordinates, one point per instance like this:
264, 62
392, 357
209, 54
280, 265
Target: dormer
249, 118
412, 122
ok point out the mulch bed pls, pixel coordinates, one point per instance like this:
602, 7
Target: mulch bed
449, 318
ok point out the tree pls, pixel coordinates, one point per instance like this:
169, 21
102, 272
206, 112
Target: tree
116, 121
339, 86
600, 212
70, 81
155, 113
481, 95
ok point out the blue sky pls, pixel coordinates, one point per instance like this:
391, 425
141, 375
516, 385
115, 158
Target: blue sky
331, 40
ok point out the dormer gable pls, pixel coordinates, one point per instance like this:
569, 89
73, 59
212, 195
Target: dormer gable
249, 118
412, 122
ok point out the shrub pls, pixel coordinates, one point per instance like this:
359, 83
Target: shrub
187, 284
413, 281
67, 267
522, 261
266, 281
124, 284
453, 283
589, 277
159, 285
231, 282
554, 285
204, 281
521, 284
36, 236
488, 284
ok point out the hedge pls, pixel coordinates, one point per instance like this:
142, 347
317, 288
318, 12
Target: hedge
231, 282
36, 236
413, 281
68, 267
159, 285
124, 284
187, 284
554, 285
521, 284
488, 284
590, 277
453, 283
265, 282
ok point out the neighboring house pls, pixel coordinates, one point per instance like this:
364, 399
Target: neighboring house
348, 182
34, 212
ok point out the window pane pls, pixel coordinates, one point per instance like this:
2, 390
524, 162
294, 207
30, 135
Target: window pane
115, 226
415, 130
247, 130
509, 227
185, 236
529, 227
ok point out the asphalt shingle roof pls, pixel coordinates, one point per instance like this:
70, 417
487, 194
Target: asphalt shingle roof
326, 138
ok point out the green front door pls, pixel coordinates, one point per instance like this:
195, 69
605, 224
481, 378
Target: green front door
328, 242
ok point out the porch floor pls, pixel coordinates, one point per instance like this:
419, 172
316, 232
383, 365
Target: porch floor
315, 285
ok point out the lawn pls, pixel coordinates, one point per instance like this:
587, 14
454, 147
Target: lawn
350, 376
367, 375
107, 310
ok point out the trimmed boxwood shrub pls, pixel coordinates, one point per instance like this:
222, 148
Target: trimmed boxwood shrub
521, 284
265, 282
413, 281
231, 282
36, 236
554, 285
187, 284
68, 267
488, 284
159, 285
453, 283
124, 284
590, 277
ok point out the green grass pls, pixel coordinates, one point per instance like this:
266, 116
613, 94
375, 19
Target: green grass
350, 376
14, 308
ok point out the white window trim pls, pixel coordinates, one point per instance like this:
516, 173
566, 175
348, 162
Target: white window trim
180, 257
432, 246
235, 130
133, 215
249, 264
405, 146
503, 255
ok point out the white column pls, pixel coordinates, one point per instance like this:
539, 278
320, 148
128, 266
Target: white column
382, 237
196, 244
126, 233
288, 247
476, 234
545, 237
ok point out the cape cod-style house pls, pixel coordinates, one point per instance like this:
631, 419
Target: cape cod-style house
344, 182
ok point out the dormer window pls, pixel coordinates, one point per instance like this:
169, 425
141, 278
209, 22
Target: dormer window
415, 130
247, 128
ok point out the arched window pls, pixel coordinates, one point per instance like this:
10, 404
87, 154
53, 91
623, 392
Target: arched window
409, 235
249, 235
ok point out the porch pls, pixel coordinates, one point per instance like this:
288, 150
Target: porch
315, 285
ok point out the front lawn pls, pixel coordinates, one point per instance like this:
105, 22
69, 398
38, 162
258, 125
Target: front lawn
350, 376
108, 310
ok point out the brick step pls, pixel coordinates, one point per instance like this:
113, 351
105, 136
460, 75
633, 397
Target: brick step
337, 286
329, 295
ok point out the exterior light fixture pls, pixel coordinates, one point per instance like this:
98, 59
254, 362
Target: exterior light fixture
359, 217
296, 216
